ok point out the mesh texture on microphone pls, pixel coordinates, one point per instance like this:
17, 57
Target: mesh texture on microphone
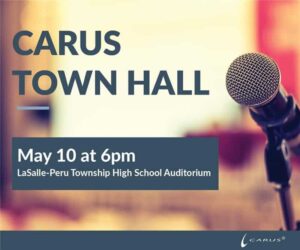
253, 79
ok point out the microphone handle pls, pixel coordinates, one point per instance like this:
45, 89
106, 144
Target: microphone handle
286, 123
276, 108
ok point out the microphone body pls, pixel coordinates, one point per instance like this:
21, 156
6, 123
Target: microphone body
253, 80
282, 114
275, 108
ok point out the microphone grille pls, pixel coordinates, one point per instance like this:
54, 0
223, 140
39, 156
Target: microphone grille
253, 79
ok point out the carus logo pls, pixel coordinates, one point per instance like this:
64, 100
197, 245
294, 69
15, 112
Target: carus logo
260, 240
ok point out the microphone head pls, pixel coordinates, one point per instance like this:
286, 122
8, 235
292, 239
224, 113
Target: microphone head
253, 79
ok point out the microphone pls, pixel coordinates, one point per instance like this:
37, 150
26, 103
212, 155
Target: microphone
253, 80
